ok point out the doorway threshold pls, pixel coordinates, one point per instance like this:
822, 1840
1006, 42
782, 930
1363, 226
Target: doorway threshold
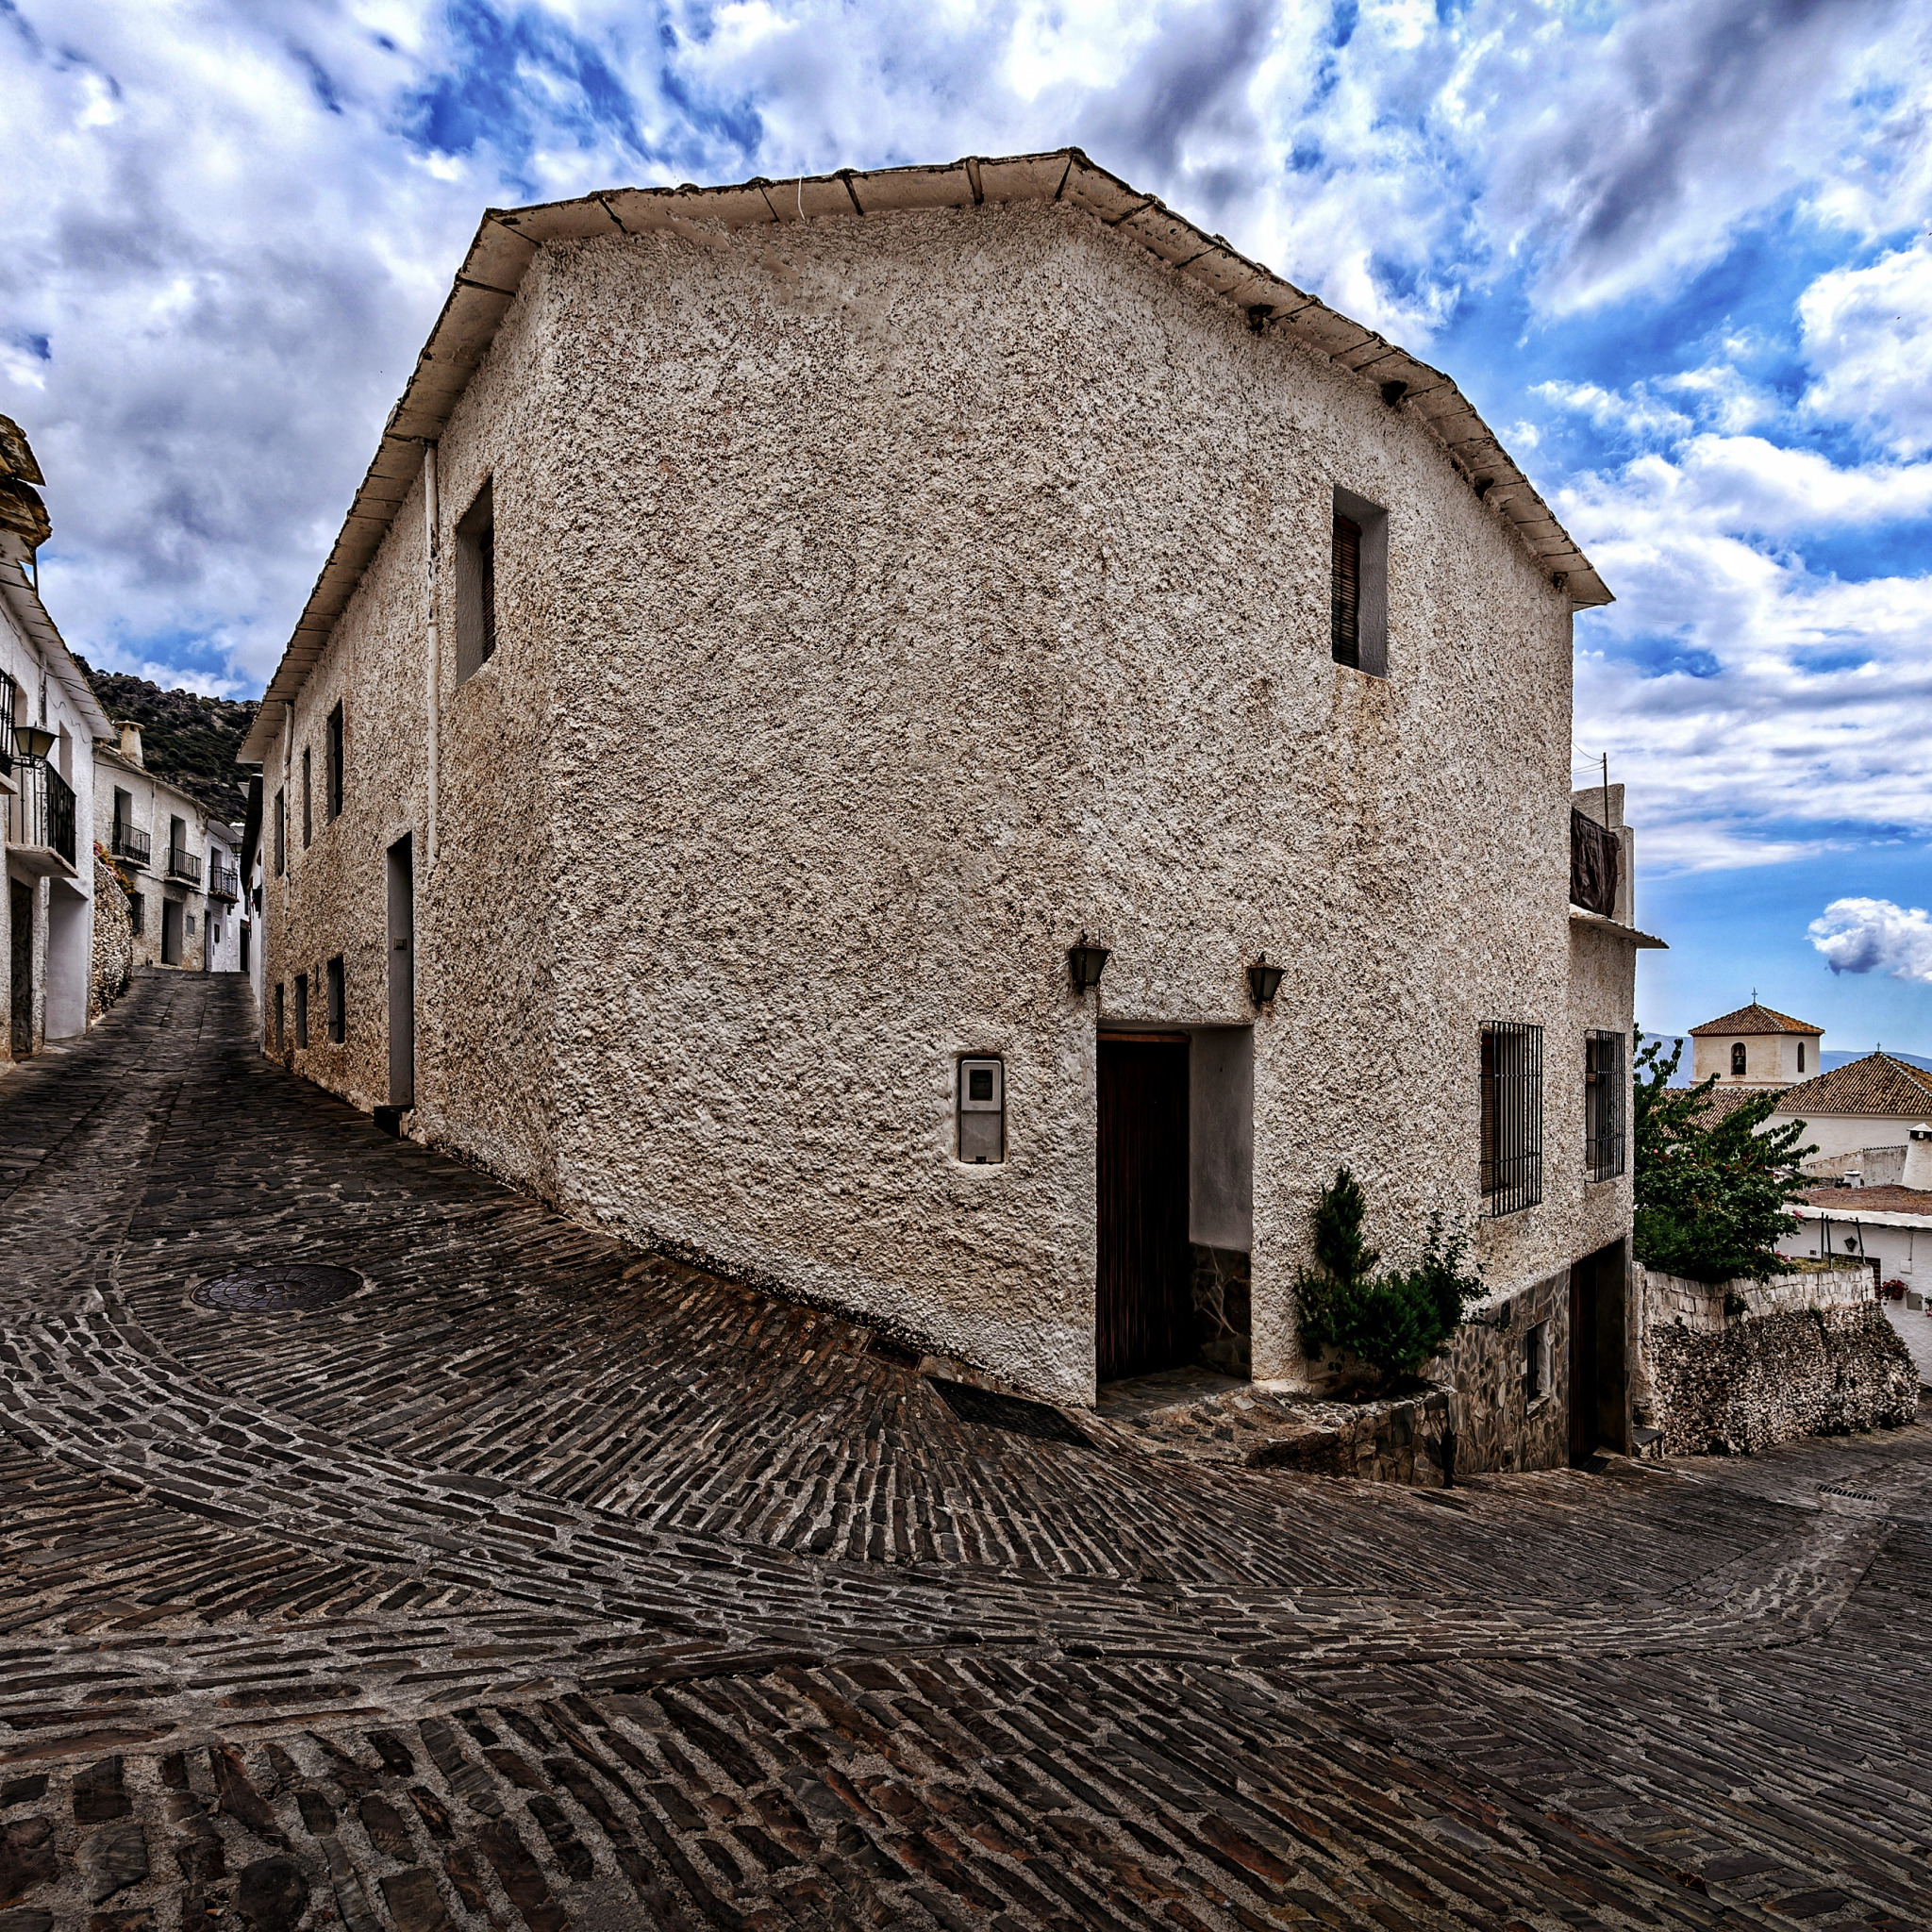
1138, 1397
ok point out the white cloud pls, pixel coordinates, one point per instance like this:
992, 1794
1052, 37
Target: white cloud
1633, 415
1874, 936
1868, 333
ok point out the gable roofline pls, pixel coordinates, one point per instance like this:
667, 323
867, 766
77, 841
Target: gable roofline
1875, 1087
1754, 1018
508, 240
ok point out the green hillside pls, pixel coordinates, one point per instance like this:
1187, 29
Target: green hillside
185, 738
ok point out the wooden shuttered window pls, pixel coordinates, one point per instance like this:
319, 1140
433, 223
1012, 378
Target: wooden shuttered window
1345, 600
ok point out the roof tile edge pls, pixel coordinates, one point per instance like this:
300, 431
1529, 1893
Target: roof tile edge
1467, 440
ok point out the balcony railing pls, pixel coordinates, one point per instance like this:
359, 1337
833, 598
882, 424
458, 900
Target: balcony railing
130, 844
1596, 861
183, 865
40, 818
223, 882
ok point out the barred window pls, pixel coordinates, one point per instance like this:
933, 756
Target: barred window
1512, 1116
1603, 1105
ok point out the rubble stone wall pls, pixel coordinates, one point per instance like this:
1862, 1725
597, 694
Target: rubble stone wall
1498, 1426
1793, 1362
113, 956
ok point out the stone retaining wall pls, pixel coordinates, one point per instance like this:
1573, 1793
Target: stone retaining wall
1733, 1366
113, 957
1497, 1425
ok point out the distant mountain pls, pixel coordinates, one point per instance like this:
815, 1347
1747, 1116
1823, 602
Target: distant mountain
185, 738
1832, 1057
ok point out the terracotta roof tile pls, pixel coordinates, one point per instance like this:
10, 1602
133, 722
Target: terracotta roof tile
1755, 1019
1724, 1101
1877, 1085
1848, 1203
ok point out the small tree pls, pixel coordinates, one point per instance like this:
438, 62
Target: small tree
1393, 1322
1713, 1193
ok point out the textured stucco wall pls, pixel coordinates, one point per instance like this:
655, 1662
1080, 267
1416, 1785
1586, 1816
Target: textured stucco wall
882, 604
486, 915
113, 944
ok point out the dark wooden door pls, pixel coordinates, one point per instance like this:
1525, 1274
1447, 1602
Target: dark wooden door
1582, 1361
20, 909
1145, 1317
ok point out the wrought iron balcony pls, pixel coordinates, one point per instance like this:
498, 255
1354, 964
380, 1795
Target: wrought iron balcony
130, 844
184, 865
39, 819
223, 882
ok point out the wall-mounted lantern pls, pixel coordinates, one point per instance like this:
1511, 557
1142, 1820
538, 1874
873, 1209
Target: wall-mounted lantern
1264, 981
35, 740
1086, 962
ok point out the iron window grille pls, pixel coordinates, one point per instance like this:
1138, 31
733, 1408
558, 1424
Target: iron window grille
10, 696
1603, 1105
1512, 1116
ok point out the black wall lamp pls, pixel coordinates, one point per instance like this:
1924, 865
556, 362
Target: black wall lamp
1264, 981
35, 740
1086, 962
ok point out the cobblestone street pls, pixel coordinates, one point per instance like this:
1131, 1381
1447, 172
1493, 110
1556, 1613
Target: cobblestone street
541, 1584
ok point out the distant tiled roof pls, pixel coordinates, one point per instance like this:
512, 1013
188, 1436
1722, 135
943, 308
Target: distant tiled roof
1755, 1019
1722, 1102
1877, 1085
1845, 1203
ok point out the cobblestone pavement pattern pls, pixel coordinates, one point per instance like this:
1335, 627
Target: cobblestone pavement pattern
538, 1584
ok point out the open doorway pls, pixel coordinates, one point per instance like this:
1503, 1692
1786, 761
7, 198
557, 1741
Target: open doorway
171, 932
1598, 1374
1144, 1317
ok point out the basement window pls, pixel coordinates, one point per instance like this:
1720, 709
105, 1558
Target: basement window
1536, 1364
1358, 585
338, 1001
476, 584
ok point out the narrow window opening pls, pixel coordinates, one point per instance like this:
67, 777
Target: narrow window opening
281, 833
281, 1031
307, 799
137, 907
1535, 1364
476, 584
1738, 1060
335, 763
1603, 1105
338, 1002
1358, 585
301, 1010
1801, 1055
1512, 1116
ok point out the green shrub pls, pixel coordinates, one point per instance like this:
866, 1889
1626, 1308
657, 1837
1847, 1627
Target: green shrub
1394, 1321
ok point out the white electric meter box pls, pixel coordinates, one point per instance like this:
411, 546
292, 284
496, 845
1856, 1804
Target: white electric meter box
982, 1111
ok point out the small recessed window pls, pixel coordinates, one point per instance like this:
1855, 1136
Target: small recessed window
281, 1009
475, 584
1738, 1059
335, 763
1358, 585
338, 1001
982, 1110
281, 833
301, 1010
1801, 1055
308, 803
1536, 1362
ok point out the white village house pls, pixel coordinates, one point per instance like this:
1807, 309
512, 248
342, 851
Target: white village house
941, 741
49, 720
161, 836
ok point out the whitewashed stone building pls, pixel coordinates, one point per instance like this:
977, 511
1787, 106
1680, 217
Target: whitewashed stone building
159, 836
48, 721
782, 622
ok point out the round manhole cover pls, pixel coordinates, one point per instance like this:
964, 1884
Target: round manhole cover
280, 1287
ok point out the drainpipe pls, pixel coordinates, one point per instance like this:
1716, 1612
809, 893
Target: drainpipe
429, 519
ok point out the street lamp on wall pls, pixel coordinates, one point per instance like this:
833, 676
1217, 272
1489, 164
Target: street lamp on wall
1086, 962
35, 740
1264, 981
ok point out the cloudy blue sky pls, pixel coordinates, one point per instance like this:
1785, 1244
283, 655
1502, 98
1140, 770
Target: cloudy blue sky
1677, 252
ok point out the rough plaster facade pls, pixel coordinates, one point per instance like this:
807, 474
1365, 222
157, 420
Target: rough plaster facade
878, 608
